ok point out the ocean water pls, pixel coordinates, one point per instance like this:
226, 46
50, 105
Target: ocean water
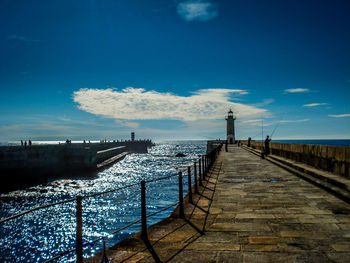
42, 234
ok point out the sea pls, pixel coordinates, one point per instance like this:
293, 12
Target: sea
45, 233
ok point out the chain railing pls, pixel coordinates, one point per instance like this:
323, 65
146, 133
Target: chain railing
205, 162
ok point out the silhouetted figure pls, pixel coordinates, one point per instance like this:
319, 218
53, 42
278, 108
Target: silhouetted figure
25, 144
30, 143
249, 139
21, 142
226, 149
267, 145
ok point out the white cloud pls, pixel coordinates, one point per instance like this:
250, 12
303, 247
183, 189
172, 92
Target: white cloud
339, 115
21, 38
139, 104
128, 124
197, 10
265, 102
315, 104
80, 122
296, 90
254, 123
287, 121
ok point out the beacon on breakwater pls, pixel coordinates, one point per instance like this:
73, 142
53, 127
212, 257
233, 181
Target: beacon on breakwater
230, 119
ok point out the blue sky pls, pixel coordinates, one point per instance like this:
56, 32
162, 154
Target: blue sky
84, 69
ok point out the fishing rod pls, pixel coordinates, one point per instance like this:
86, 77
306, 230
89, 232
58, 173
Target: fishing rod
275, 129
276, 126
256, 135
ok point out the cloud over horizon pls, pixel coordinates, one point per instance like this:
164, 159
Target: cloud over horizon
298, 90
197, 10
294, 121
315, 104
22, 38
139, 104
339, 115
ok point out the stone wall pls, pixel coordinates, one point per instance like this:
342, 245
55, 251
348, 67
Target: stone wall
109, 153
335, 159
212, 144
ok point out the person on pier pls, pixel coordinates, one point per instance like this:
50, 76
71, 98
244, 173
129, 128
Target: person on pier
267, 146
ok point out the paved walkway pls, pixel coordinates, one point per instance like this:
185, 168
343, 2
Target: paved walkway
258, 212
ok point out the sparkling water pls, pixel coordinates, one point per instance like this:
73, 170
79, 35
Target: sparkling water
42, 234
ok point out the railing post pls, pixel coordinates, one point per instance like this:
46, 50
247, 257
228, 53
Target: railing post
144, 234
203, 167
181, 199
190, 200
200, 172
195, 178
143, 211
206, 164
79, 230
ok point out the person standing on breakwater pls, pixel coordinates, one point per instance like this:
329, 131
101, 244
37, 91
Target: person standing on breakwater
249, 139
267, 146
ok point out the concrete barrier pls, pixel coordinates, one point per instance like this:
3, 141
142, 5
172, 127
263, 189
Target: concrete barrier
334, 159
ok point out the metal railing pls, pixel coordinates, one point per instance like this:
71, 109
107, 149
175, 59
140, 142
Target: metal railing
204, 164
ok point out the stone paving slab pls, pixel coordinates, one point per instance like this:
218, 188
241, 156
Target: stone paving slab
258, 213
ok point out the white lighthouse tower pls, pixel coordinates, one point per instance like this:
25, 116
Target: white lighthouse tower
230, 119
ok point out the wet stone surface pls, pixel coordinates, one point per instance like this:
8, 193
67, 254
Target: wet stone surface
258, 212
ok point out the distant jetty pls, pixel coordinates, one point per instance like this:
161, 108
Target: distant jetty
27, 165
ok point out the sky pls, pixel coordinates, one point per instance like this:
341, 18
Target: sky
171, 69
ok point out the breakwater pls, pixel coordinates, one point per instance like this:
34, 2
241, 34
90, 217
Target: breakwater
212, 144
334, 159
38, 163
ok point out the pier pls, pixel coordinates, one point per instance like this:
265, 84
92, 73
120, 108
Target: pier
248, 210
239, 207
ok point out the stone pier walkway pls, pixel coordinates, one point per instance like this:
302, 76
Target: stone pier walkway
258, 212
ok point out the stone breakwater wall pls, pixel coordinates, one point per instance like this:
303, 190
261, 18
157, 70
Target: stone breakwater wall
35, 163
212, 144
334, 159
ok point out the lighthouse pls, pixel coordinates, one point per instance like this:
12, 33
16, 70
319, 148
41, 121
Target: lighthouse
230, 119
